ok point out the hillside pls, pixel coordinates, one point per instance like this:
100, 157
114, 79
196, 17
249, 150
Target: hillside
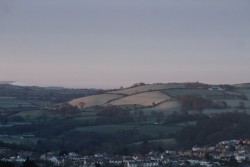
149, 87
95, 100
15, 99
165, 97
111, 121
145, 99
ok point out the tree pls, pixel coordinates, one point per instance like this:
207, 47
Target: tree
142, 116
233, 162
4, 120
29, 163
97, 165
159, 117
224, 126
241, 105
6, 164
194, 103
153, 104
82, 104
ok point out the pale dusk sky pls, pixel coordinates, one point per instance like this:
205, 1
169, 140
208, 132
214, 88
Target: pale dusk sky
113, 43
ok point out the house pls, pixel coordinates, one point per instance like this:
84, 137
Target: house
240, 158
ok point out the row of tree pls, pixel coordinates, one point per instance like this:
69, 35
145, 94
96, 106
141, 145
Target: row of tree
225, 126
26, 163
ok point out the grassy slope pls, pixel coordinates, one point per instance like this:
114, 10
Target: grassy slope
145, 99
145, 96
150, 87
167, 108
94, 100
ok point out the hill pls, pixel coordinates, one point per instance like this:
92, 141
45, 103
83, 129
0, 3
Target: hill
166, 97
92, 120
145, 99
139, 88
95, 100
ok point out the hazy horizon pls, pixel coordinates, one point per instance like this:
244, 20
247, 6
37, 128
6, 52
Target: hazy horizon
108, 44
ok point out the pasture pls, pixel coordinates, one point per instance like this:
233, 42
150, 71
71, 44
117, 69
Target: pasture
149, 87
193, 92
95, 100
167, 108
144, 99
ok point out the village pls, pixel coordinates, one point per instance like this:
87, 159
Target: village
225, 153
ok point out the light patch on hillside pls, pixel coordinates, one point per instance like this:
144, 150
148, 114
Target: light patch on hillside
94, 100
166, 108
145, 99
16, 83
171, 105
151, 87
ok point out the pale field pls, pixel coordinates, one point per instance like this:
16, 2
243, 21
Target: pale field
150, 87
167, 108
145, 99
171, 105
94, 100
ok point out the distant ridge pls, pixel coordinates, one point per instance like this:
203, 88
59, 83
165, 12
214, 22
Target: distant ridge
22, 84
6, 82
15, 83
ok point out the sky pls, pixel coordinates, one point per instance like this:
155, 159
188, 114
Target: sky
113, 43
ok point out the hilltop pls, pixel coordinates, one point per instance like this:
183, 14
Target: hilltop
16, 83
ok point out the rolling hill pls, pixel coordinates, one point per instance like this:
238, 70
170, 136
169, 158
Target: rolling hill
145, 99
165, 96
142, 112
95, 100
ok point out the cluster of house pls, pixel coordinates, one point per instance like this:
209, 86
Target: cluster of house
225, 152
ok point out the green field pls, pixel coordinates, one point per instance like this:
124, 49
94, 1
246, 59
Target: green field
108, 128
11, 102
86, 115
167, 108
157, 130
244, 91
19, 140
194, 92
32, 115
217, 111
151, 130
168, 142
